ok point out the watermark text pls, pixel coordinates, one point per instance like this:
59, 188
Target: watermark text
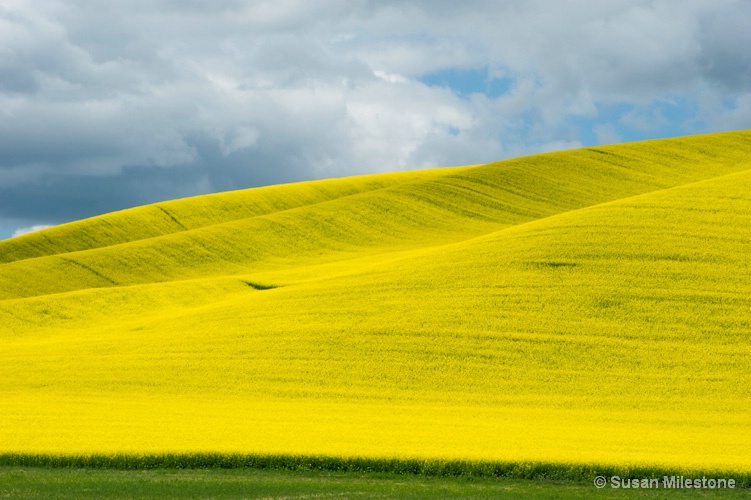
666, 482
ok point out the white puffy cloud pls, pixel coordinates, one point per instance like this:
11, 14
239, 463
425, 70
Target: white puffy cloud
110, 104
26, 230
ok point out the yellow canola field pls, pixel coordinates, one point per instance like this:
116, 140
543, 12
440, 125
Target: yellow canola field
578, 307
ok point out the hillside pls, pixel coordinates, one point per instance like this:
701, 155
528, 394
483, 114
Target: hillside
585, 306
290, 225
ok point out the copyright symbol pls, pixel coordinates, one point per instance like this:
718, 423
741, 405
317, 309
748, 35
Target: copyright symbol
600, 482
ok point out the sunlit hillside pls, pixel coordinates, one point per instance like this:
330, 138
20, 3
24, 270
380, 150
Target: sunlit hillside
587, 306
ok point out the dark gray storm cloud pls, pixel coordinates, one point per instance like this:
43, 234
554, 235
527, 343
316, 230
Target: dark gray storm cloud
106, 105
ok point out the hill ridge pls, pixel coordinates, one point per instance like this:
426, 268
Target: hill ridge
7, 246
478, 199
164, 206
419, 253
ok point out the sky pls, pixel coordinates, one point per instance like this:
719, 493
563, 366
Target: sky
109, 105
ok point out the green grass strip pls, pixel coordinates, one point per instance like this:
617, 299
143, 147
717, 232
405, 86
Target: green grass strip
403, 466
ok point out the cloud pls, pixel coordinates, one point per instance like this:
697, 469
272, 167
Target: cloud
26, 230
606, 134
108, 106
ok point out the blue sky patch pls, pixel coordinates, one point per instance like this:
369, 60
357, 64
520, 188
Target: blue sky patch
668, 117
468, 81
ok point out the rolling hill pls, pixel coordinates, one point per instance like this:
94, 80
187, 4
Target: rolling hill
586, 306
